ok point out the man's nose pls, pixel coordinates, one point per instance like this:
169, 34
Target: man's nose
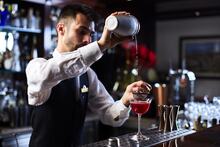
87, 39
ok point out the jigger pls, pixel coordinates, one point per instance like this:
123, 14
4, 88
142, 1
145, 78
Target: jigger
173, 143
113, 142
167, 119
161, 117
174, 115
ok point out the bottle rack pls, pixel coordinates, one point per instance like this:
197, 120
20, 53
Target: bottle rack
28, 42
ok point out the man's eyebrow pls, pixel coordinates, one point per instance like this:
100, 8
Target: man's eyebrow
87, 29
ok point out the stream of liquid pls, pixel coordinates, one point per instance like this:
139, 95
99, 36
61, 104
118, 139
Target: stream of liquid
136, 62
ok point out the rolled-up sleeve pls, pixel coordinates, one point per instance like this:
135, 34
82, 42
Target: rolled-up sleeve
42, 75
110, 112
91, 56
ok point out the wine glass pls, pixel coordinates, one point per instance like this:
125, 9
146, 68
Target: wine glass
140, 105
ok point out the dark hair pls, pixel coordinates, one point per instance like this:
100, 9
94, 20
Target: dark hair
74, 9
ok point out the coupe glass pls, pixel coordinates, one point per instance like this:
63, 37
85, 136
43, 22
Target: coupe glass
140, 105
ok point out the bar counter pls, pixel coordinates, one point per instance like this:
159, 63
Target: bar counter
209, 137
206, 138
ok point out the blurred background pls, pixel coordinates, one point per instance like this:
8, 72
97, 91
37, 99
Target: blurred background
178, 54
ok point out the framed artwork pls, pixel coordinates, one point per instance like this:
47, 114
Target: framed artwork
201, 54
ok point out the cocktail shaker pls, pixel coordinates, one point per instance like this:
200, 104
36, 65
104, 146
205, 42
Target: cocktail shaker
124, 25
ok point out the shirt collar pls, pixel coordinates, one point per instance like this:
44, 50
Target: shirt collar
56, 53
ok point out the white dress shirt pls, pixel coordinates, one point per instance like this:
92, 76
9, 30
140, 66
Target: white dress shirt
43, 75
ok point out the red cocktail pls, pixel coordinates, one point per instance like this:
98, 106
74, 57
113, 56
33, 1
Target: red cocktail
140, 105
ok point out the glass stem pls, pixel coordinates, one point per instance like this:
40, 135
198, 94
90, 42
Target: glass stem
139, 124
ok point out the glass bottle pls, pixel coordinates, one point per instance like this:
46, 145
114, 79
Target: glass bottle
15, 21
16, 66
23, 19
31, 19
37, 20
34, 53
4, 13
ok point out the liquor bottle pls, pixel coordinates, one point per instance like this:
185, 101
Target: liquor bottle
25, 52
15, 21
8, 59
23, 17
31, 19
53, 18
4, 13
1, 5
16, 66
37, 20
34, 53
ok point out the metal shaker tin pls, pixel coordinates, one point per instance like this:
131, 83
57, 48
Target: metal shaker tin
124, 25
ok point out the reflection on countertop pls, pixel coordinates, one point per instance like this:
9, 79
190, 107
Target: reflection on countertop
13, 137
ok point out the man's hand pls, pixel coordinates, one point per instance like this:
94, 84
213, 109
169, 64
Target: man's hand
139, 86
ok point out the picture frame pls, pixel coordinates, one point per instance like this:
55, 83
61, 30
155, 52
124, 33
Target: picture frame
201, 55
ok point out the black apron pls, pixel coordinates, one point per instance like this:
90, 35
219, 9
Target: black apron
59, 121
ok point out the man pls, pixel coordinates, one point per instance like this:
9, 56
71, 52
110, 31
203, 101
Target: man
61, 88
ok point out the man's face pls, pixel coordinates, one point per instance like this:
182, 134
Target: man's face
78, 32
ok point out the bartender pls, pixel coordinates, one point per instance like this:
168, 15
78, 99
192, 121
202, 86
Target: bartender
61, 88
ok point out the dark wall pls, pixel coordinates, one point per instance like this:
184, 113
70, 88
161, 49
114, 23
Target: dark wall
145, 13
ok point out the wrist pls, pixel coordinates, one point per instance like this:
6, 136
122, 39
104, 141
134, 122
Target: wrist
101, 45
125, 102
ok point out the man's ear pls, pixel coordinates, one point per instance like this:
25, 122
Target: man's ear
60, 28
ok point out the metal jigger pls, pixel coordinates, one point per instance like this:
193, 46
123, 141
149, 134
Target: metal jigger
167, 116
174, 115
161, 117
173, 143
113, 142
